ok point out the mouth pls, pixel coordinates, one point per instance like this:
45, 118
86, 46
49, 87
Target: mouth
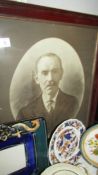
51, 89
50, 86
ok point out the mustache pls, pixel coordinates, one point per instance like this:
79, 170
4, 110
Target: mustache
51, 83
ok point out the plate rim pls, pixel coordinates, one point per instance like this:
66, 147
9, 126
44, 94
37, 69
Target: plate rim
91, 128
63, 166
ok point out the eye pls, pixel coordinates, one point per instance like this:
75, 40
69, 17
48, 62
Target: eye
55, 71
45, 72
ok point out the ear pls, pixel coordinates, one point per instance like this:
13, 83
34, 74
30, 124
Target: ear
36, 79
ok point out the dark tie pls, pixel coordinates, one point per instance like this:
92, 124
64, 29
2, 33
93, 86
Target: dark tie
50, 106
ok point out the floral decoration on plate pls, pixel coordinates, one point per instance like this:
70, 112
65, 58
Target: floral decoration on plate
66, 144
79, 127
77, 124
89, 145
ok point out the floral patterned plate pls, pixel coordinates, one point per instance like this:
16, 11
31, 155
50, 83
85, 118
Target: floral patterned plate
78, 125
63, 169
89, 145
66, 144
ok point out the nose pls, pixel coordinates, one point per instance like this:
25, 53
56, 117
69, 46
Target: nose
50, 76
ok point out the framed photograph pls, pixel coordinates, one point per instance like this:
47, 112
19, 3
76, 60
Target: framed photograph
48, 64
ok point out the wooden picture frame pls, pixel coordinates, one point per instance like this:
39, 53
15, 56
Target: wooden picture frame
26, 25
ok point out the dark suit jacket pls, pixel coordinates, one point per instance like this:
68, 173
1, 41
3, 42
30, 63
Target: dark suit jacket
66, 106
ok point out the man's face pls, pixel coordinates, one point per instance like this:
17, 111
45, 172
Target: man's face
49, 74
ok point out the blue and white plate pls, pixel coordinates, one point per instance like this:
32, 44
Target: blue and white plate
66, 144
76, 130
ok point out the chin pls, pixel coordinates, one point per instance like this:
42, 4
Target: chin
51, 93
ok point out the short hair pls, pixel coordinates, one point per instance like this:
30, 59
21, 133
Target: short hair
49, 55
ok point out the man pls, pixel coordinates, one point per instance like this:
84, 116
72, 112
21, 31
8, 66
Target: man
53, 104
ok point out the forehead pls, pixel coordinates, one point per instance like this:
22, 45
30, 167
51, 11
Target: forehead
47, 62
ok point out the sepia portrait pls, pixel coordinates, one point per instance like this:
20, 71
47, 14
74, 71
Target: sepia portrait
47, 71
57, 83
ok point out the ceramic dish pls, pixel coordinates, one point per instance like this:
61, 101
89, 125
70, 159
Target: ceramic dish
89, 145
77, 125
66, 144
62, 169
89, 169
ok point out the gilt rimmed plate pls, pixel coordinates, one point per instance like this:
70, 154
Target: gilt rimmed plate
62, 169
66, 144
89, 145
75, 123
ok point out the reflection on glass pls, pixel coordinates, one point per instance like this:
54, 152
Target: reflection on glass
17, 162
5, 42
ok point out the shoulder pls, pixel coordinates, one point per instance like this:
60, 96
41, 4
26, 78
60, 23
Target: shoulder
66, 96
33, 102
70, 104
30, 108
